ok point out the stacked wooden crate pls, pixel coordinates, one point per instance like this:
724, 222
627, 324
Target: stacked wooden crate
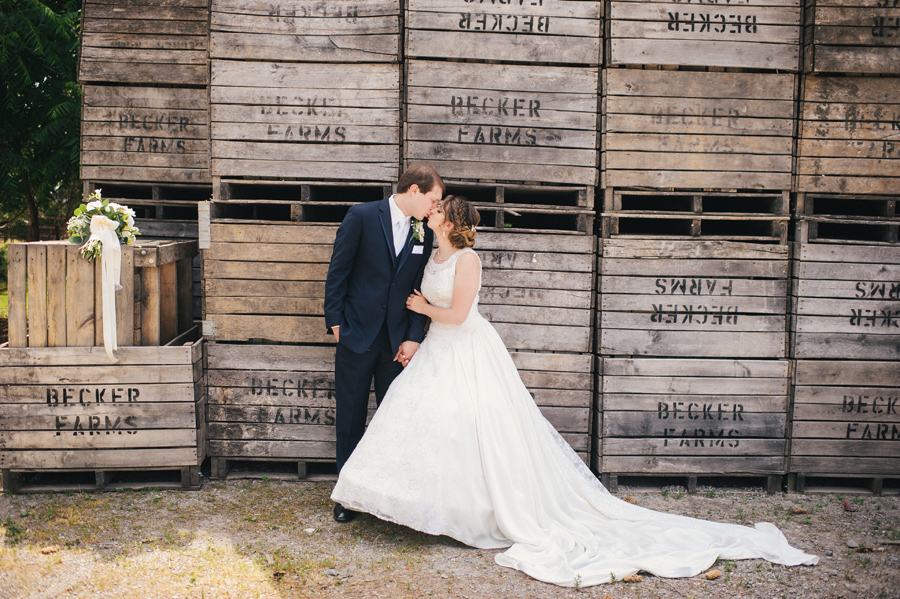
305, 122
502, 99
697, 149
64, 406
845, 334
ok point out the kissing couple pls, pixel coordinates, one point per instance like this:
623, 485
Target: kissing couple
457, 446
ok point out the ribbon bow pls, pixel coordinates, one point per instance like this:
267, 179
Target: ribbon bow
103, 229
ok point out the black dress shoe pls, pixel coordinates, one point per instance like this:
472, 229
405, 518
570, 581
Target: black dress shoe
342, 514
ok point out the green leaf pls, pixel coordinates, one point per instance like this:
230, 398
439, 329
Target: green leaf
76, 239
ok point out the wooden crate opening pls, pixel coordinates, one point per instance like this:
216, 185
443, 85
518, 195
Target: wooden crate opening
847, 218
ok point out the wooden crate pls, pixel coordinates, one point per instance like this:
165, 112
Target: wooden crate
505, 123
68, 408
709, 299
846, 302
307, 31
145, 134
846, 418
545, 31
313, 120
276, 402
265, 281
731, 216
830, 218
752, 34
145, 41
55, 294
680, 129
690, 416
848, 135
852, 36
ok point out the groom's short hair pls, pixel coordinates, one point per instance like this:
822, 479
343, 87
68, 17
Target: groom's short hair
422, 175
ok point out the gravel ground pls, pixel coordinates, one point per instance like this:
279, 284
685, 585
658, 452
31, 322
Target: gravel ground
274, 539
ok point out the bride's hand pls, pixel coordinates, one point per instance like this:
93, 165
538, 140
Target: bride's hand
416, 302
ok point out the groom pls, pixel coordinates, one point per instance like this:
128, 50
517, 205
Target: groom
379, 256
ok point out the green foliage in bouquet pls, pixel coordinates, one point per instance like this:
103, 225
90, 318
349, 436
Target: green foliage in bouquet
79, 226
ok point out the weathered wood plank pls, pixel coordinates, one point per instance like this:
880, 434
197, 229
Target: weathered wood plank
739, 369
86, 459
702, 465
37, 295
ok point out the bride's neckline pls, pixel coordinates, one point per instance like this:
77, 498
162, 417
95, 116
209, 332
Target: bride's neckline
438, 260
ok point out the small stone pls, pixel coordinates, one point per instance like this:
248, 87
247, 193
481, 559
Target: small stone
50, 549
852, 544
309, 531
632, 578
799, 510
278, 574
713, 574
833, 574
849, 507
829, 553
331, 572
630, 499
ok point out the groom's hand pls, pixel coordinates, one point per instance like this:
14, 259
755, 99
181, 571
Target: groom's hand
406, 352
337, 333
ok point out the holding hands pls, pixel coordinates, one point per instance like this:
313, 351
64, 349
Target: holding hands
416, 302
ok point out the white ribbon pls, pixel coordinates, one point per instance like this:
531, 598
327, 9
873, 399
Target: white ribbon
103, 229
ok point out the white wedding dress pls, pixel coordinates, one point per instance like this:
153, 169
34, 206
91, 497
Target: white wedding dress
459, 448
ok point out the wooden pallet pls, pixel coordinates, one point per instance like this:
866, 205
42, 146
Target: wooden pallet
145, 41
55, 301
843, 484
697, 130
541, 31
714, 299
731, 216
690, 482
846, 420
756, 34
848, 135
269, 469
62, 481
694, 417
276, 402
306, 31
503, 123
155, 134
851, 37
846, 302
836, 218
70, 409
315, 120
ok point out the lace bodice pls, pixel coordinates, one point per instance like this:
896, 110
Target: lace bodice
437, 286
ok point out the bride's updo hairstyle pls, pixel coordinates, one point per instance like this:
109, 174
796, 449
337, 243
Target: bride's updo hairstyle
464, 217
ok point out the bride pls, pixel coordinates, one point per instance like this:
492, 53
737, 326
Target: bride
459, 448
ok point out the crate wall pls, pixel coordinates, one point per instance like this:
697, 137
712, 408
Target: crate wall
694, 416
501, 122
690, 129
69, 408
846, 302
55, 295
544, 31
153, 134
852, 36
847, 140
755, 34
145, 41
845, 419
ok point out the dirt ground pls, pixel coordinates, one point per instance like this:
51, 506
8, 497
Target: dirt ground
276, 539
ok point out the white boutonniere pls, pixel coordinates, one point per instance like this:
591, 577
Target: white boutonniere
418, 230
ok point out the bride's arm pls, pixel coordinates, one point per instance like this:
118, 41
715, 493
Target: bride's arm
465, 288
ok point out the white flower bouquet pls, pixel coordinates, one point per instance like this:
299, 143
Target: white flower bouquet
113, 215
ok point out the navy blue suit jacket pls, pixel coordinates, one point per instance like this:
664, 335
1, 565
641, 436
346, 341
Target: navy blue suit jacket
367, 283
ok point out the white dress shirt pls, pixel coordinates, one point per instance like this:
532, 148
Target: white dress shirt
400, 226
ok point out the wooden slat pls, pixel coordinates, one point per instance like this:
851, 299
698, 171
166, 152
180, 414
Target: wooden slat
17, 287
56, 295
79, 298
87, 459
125, 300
150, 306
37, 295
168, 302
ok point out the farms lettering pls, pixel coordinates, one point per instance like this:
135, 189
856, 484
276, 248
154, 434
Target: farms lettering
877, 290
689, 313
308, 133
154, 145
497, 135
96, 425
512, 23
302, 387
884, 406
68, 397
329, 10
702, 23
304, 416
694, 286
688, 116
704, 412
